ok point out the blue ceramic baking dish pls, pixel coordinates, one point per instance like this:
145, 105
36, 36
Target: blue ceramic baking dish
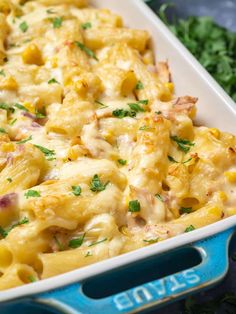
163, 272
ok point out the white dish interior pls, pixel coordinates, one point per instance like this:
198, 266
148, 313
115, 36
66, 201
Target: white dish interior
215, 109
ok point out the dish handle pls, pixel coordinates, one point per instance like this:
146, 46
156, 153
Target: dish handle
214, 266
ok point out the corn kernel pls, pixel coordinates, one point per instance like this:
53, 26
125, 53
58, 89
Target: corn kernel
124, 230
81, 87
54, 62
231, 176
170, 86
73, 152
222, 196
165, 94
32, 55
8, 83
231, 211
214, 210
7, 147
215, 132
29, 106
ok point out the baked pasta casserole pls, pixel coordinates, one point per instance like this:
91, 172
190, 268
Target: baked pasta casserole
98, 156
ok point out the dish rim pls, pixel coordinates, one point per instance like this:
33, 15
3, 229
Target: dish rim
81, 274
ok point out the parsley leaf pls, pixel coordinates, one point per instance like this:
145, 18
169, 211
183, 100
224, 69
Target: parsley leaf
98, 242
158, 196
21, 107
139, 85
50, 11
101, 104
76, 190
2, 73
6, 107
185, 210
86, 25
121, 113
151, 241
134, 206
122, 162
145, 128
97, 185
213, 45
77, 242
31, 278
183, 144
23, 27
88, 51
58, 243
25, 140
136, 107
189, 228
3, 232
57, 22
47, 152
9, 180
2, 130
13, 122
53, 81
177, 162
88, 254
32, 193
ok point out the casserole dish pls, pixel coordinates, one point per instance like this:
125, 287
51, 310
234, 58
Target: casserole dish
189, 78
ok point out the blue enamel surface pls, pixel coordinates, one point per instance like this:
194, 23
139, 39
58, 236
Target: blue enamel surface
214, 265
71, 299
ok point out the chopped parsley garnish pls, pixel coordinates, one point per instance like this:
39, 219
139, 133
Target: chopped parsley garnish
13, 122
189, 228
6, 107
143, 102
88, 51
178, 162
57, 22
158, 196
185, 210
47, 152
50, 11
77, 242
32, 193
31, 278
96, 185
53, 81
134, 206
86, 25
21, 107
2, 73
88, 254
151, 241
76, 190
183, 144
98, 242
122, 162
145, 128
2, 130
9, 180
3, 232
58, 243
40, 115
25, 140
158, 112
25, 220
101, 104
136, 107
23, 27
139, 85
121, 113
